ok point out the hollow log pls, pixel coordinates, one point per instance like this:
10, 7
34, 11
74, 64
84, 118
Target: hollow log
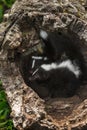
19, 37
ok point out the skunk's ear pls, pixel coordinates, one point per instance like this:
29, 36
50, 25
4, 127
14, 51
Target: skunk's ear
43, 35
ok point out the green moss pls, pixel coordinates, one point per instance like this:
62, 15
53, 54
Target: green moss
7, 3
4, 5
5, 121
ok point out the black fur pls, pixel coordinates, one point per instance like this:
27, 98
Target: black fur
61, 81
58, 45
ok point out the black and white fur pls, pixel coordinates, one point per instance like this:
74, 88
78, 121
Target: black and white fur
59, 46
67, 66
61, 78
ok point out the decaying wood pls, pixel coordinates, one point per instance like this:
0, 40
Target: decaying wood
18, 33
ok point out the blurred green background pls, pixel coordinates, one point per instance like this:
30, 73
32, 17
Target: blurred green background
5, 120
4, 5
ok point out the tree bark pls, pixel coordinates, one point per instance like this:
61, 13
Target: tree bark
19, 35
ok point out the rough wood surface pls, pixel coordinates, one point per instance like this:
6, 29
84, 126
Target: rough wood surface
18, 32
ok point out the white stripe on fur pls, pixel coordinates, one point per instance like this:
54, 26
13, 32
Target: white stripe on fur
65, 64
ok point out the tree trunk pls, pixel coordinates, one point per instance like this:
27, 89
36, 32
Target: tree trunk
19, 37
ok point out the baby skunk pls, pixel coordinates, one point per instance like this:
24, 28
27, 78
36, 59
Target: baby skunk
62, 78
59, 45
63, 75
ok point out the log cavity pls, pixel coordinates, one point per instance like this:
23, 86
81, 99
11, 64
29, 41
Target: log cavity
31, 62
29, 65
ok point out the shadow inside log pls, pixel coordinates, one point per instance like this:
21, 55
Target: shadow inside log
59, 104
31, 60
28, 66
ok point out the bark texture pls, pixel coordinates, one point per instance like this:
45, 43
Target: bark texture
19, 33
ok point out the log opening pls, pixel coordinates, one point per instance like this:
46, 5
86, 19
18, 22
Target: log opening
58, 108
32, 59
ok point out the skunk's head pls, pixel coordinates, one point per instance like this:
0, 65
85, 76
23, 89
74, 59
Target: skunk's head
48, 49
55, 43
40, 75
